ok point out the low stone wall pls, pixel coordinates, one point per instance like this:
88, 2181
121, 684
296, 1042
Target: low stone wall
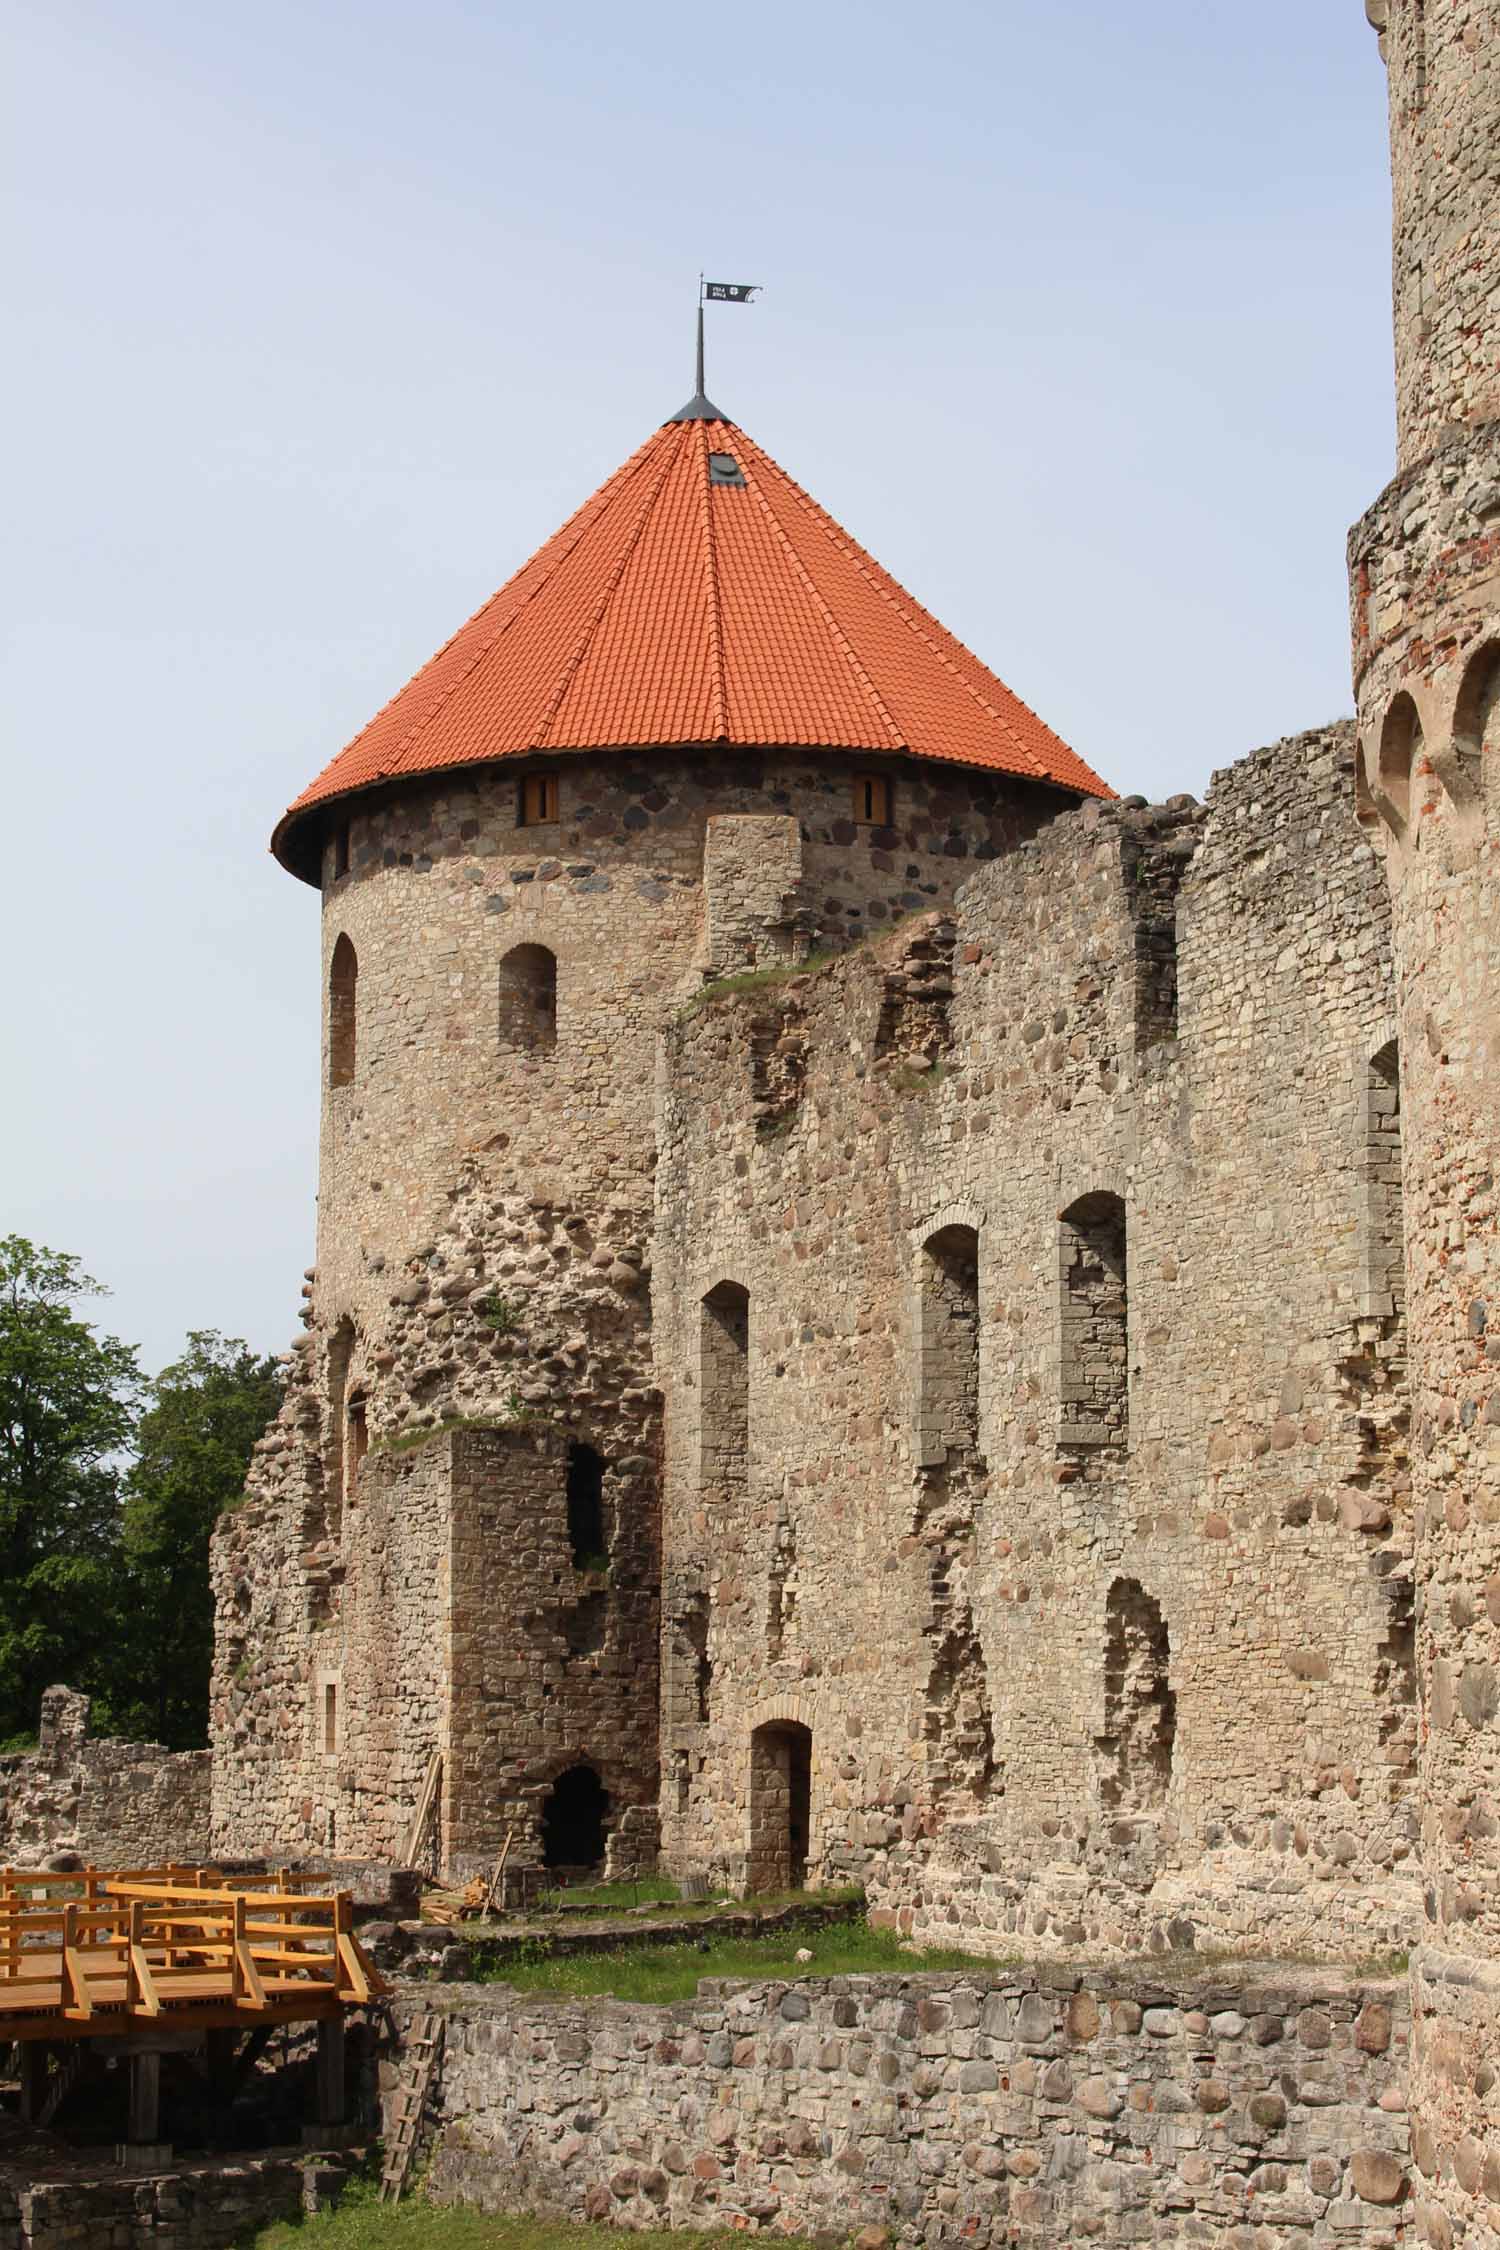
112, 1802
1035, 2106
203, 2207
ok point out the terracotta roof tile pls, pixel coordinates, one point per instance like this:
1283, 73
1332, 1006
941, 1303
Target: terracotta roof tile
675, 610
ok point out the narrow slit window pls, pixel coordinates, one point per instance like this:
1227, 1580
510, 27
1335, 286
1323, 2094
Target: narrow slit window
872, 800
341, 850
538, 799
330, 1716
358, 1445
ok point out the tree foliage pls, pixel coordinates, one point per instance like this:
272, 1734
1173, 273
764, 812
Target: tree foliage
109, 1490
192, 1446
68, 1403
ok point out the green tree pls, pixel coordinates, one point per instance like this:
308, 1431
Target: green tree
193, 1447
68, 1401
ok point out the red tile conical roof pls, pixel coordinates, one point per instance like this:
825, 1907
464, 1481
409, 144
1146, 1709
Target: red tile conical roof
700, 597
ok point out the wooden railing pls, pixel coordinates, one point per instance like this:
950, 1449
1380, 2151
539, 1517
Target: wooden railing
77, 1951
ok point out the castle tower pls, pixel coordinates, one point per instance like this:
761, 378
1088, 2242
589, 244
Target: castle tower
699, 732
1425, 589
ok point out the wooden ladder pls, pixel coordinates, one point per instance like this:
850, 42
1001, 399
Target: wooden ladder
419, 2061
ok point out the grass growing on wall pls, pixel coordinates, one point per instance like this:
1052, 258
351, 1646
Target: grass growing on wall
671, 1972
364, 2224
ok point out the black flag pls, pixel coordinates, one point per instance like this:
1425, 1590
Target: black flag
730, 292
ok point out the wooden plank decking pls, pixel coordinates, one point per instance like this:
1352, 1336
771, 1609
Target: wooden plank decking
98, 1954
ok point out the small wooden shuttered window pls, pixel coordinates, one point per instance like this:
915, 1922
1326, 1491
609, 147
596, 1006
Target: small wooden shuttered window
872, 800
538, 799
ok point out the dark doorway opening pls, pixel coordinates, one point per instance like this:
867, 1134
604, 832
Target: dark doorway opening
586, 1507
780, 1806
573, 1820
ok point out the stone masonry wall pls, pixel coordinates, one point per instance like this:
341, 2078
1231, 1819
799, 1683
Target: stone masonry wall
1445, 285
106, 1802
1424, 571
485, 1257
950, 1643
1051, 2108
208, 2207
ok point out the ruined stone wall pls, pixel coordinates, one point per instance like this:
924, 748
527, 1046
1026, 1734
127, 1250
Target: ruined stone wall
214, 2206
494, 997
1445, 122
382, 1646
108, 1803
1425, 614
1172, 1012
1022, 2108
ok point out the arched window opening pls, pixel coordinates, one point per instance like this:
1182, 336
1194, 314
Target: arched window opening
528, 1000
336, 1476
780, 1806
1476, 716
585, 1489
1140, 1709
1400, 747
1095, 1390
949, 1344
343, 988
1385, 1240
573, 1821
724, 1355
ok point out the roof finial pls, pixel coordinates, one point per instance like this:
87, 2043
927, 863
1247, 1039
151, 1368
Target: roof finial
700, 407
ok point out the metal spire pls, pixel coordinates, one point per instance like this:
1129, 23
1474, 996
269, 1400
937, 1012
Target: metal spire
700, 407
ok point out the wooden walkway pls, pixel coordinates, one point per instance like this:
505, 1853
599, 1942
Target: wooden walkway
182, 1949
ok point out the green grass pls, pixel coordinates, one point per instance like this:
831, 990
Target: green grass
363, 2224
760, 980
672, 1972
408, 1440
650, 1890
788, 972
661, 1892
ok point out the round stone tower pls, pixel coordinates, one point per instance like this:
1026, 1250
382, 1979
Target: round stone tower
699, 733
1425, 591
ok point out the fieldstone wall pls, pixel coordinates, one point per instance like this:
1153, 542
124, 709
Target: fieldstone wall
485, 1229
201, 2207
1445, 287
107, 1802
1047, 2108
1424, 568
1150, 1031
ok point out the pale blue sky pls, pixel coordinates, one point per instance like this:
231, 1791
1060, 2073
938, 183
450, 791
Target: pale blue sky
322, 317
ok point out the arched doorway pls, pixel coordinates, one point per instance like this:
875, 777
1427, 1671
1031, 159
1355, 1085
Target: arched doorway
573, 1820
780, 1805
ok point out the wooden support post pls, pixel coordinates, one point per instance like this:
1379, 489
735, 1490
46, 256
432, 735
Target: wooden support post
331, 2071
32, 2055
145, 2098
220, 2047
